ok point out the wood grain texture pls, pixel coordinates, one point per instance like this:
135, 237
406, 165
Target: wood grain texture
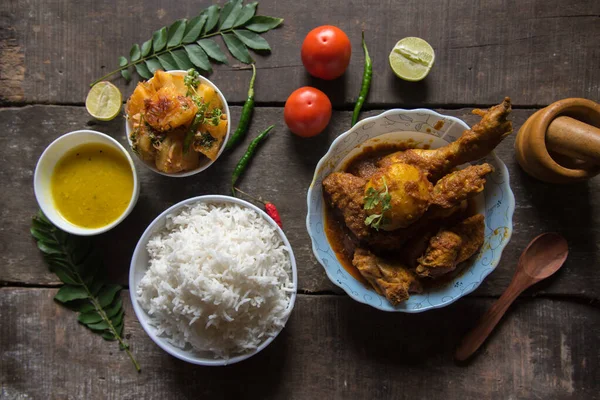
541, 350
281, 173
536, 51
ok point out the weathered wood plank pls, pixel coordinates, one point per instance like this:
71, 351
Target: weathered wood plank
536, 51
542, 349
281, 172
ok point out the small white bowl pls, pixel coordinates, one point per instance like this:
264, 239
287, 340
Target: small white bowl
43, 176
140, 262
206, 163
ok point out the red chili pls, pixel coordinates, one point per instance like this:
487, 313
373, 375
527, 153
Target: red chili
273, 213
270, 208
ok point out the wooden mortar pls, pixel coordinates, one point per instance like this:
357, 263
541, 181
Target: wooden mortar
561, 143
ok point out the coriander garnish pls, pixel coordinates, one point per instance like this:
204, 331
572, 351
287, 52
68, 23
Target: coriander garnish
372, 199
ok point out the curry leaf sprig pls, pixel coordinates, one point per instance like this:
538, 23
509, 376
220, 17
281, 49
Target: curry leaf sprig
77, 265
373, 198
186, 44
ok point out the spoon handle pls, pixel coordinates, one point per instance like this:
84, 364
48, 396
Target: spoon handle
487, 323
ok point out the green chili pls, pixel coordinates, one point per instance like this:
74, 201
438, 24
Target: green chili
242, 128
366, 82
243, 163
189, 136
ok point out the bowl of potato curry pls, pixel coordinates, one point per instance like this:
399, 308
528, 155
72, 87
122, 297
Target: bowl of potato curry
177, 122
410, 210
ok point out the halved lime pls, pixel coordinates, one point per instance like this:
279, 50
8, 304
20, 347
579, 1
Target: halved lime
104, 101
412, 58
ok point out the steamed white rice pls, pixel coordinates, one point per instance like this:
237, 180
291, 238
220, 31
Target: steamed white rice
219, 279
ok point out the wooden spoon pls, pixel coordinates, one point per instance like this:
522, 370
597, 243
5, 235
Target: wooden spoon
543, 257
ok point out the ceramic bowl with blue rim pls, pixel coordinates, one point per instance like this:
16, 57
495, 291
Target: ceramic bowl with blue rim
496, 203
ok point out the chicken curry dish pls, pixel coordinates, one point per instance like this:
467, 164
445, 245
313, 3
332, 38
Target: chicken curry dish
400, 218
176, 121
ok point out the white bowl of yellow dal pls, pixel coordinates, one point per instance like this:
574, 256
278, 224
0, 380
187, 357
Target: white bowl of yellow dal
85, 182
204, 161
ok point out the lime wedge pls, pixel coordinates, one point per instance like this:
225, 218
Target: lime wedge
412, 58
104, 101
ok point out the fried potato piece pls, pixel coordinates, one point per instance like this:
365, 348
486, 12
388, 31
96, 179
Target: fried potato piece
171, 158
167, 109
394, 281
209, 96
210, 145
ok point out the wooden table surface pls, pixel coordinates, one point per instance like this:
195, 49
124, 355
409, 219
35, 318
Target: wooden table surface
536, 51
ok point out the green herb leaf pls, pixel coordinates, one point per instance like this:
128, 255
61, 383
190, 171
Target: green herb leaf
159, 39
182, 60
153, 65
90, 317
372, 199
247, 12
229, 14
146, 47
122, 61
237, 48
262, 23
175, 33
135, 53
252, 40
212, 14
198, 57
193, 29
167, 62
69, 293
143, 71
126, 74
107, 294
72, 260
213, 50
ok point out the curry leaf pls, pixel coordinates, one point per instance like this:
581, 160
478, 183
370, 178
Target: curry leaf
182, 60
213, 50
135, 53
237, 23
247, 12
198, 57
75, 263
252, 40
212, 14
159, 39
261, 23
226, 21
166, 60
237, 48
146, 47
143, 71
153, 65
193, 29
175, 33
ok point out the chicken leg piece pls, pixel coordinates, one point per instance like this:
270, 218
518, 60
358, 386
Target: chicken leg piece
460, 185
346, 192
395, 282
452, 246
474, 144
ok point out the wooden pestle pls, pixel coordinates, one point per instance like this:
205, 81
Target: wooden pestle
573, 138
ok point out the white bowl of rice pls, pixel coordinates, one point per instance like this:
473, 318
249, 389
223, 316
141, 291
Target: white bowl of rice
213, 280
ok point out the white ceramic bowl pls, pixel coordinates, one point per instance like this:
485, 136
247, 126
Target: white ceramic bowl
45, 167
496, 203
140, 262
206, 162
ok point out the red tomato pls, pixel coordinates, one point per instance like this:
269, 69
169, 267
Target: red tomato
326, 52
307, 111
